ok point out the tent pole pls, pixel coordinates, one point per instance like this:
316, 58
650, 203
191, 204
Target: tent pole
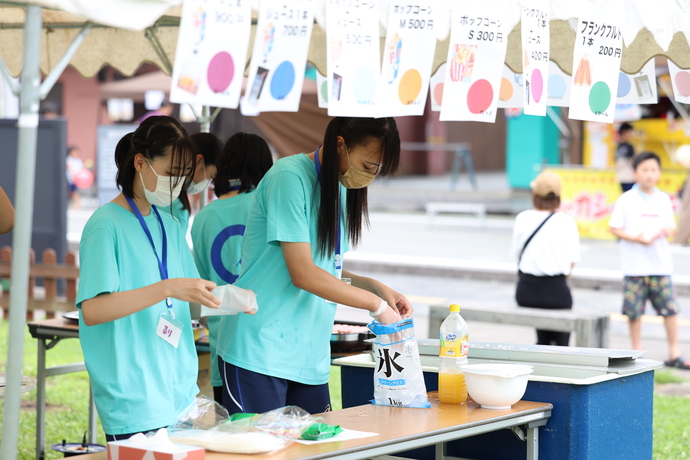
21, 237
205, 124
56, 71
205, 127
158, 48
7, 76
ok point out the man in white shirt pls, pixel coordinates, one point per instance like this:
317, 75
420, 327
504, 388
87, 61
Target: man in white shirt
642, 219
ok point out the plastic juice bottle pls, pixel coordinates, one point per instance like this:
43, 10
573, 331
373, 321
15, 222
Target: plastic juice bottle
453, 351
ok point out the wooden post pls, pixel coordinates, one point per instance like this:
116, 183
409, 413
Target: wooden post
71, 289
49, 283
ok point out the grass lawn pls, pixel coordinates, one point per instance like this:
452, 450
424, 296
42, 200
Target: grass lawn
67, 396
67, 413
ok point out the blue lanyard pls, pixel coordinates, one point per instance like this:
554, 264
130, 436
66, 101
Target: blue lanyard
338, 255
235, 188
162, 265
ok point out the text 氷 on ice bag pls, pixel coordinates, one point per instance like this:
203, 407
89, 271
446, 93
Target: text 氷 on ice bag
398, 377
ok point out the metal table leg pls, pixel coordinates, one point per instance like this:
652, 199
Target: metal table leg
440, 451
533, 443
93, 420
41, 399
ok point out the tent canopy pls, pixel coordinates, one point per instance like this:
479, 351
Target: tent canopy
125, 40
135, 88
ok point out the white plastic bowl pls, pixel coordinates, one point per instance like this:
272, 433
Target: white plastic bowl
496, 386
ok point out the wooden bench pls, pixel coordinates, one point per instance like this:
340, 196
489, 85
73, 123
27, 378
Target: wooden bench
50, 272
435, 207
590, 327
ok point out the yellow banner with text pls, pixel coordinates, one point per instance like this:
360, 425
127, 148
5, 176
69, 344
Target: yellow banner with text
589, 195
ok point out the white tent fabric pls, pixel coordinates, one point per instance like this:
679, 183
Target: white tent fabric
123, 14
658, 28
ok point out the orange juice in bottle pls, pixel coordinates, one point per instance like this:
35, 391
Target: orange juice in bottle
453, 351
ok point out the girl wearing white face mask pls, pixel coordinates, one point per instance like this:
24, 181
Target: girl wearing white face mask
208, 147
137, 278
218, 228
306, 211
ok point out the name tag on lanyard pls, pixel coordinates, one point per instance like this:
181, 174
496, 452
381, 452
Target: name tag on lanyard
168, 328
338, 252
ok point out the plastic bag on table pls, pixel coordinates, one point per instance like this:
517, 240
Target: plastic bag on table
204, 413
398, 377
260, 433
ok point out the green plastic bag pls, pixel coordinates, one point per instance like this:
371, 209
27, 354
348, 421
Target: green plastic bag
319, 431
240, 415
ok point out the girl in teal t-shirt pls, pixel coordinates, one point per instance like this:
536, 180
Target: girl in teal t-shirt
137, 278
306, 211
218, 228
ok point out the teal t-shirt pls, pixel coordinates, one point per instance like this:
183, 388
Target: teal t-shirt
289, 337
177, 210
140, 382
217, 236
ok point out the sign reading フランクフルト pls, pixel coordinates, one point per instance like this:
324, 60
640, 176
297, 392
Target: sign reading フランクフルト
596, 65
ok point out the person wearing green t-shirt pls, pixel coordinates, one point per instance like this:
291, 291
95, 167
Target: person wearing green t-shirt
137, 278
306, 210
218, 228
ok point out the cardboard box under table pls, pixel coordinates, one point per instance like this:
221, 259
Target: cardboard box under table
602, 399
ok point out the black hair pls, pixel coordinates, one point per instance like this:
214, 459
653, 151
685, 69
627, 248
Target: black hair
71, 149
356, 132
156, 137
246, 157
208, 146
644, 156
624, 128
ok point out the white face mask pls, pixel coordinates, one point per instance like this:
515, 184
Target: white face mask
198, 188
162, 196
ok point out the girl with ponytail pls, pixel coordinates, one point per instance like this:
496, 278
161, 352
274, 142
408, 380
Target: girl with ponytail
137, 278
218, 228
306, 212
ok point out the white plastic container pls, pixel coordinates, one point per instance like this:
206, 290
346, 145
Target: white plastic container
496, 386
